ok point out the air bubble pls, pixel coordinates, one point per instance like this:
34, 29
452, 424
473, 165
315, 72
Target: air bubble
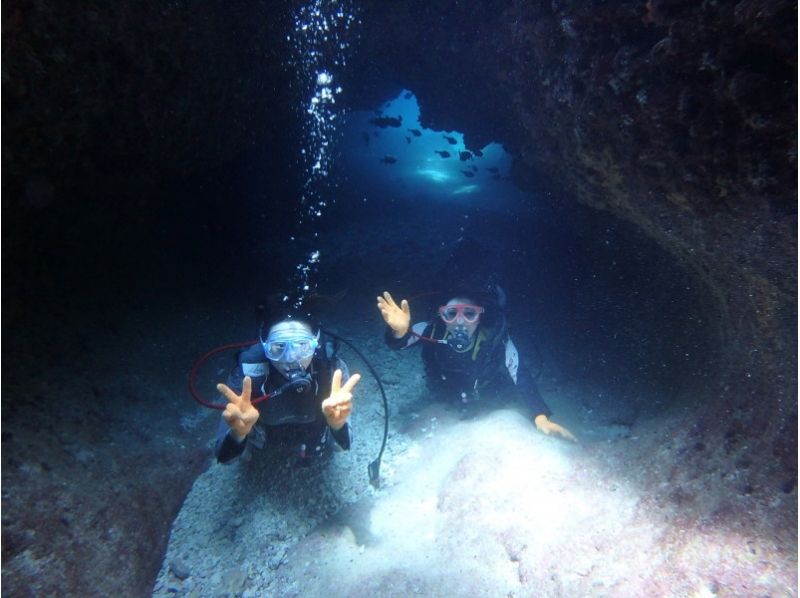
319, 41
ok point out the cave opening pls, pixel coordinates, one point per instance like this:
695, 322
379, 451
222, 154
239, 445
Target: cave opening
610, 321
386, 152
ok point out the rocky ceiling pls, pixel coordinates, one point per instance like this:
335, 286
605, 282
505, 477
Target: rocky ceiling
677, 116
680, 117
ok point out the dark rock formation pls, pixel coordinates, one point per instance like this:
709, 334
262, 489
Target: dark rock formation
138, 91
106, 109
678, 117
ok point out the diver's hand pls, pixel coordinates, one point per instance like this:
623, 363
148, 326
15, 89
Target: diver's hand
398, 318
545, 426
239, 413
338, 406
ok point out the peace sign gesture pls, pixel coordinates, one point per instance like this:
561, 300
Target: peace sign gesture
338, 406
239, 413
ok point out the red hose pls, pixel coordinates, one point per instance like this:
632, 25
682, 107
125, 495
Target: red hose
198, 364
426, 338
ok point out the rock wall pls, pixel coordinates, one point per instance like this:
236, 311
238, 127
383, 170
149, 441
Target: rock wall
680, 117
108, 108
135, 92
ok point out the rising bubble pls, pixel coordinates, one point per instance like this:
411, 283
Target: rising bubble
320, 42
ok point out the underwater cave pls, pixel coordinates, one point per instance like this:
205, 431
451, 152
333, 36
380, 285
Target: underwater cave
624, 172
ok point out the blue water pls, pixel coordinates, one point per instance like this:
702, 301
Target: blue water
368, 151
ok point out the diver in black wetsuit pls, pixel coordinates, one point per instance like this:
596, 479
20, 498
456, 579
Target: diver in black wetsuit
308, 403
467, 356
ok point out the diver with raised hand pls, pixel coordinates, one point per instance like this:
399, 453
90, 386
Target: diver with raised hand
467, 357
302, 375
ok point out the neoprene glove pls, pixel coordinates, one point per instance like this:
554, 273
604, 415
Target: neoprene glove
398, 318
545, 426
239, 413
337, 407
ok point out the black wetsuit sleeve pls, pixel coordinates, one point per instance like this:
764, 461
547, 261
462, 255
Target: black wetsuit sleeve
402, 342
529, 391
227, 448
395, 343
343, 436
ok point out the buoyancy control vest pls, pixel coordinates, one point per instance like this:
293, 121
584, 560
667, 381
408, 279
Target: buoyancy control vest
302, 406
472, 369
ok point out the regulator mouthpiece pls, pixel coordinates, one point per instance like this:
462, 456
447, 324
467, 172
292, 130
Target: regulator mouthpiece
459, 341
299, 381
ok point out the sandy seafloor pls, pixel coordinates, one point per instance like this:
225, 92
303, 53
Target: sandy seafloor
472, 503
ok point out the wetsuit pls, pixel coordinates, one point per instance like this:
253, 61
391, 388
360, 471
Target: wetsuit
490, 368
291, 420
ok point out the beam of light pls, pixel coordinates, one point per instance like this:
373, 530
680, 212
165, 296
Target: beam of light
465, 189
434, 175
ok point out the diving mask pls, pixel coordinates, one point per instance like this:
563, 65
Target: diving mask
469, 313
290, 345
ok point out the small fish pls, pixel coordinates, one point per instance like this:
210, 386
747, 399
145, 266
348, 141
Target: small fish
387, 159
450, 140
468, 173
408, 139
493, 169
478, 153
474, 168
415, 132
464, 156
408, 95
442, 153
386, 121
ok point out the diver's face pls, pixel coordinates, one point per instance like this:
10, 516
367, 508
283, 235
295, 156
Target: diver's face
290, 346
461, 323
285, 367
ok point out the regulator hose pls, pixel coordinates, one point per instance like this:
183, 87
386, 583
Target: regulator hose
374, 468
199, 363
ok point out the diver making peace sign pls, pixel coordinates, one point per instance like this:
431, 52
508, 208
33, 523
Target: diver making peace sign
308, 402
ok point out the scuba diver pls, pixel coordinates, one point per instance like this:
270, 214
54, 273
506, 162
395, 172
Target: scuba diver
308, 388
467, 352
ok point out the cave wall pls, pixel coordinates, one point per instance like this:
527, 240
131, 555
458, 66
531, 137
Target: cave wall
109, 107
115, 117
139, 90
680, 117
